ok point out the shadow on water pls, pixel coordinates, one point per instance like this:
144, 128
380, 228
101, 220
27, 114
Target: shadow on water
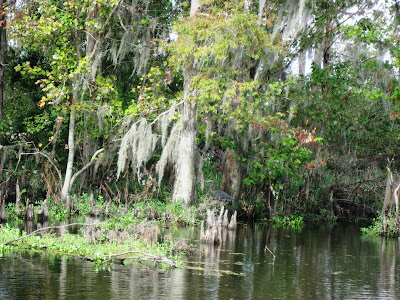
318, 262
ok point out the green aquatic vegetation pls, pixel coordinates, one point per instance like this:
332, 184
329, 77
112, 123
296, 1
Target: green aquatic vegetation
184, 216
119, 216
168, 212
85, 205
378, 228
10, 212
295, 222
57, 210
8, 233
99, 252
327, 216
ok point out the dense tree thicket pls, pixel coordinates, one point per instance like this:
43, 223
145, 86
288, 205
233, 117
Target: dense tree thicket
291, 106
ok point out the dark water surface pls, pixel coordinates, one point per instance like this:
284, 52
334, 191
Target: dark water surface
318, 262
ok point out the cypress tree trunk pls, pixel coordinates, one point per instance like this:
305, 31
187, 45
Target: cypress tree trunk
87, 147
71, 154
89, 144
194, 6
90, 49
185, 166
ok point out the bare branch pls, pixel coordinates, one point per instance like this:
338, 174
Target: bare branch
86, 166
266, 248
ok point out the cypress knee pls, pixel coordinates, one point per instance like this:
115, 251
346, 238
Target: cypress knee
3, 216
43, 213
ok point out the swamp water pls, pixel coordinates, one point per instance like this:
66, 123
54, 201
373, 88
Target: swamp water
318, 262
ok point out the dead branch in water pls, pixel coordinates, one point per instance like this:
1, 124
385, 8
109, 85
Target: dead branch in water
49, 228
273, 260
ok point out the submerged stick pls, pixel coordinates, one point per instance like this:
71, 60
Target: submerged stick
266, 248
47, 228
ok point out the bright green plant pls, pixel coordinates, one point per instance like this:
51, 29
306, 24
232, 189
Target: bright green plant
377, 228
295, 222
77, 245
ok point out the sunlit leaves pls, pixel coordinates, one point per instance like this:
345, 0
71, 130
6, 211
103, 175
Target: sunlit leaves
59, 30
214, 37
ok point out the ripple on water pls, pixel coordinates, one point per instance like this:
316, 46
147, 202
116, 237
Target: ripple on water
315, 263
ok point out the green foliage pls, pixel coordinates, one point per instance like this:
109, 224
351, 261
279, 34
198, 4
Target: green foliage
77, 245
155, 92
10, 212
7, 233
166, 211
57, 210
84, 205
327, 216
56, 30
283, 158
391, 229
217, 33
295, 222
215, 49
286, 155
181, 214
283, 132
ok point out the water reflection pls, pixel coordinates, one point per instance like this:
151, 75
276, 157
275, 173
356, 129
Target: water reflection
321, 262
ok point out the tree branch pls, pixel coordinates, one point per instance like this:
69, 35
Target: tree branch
266, 248
34, 153
52, 163
85, 167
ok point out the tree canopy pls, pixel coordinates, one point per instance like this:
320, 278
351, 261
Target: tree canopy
289, 105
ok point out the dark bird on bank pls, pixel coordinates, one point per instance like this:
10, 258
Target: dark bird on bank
220, 195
